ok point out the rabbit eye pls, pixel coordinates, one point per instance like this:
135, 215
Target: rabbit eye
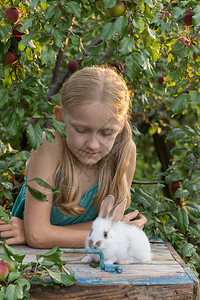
105, 234
90, 232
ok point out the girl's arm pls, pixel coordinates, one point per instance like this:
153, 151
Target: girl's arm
38, 230
129, 218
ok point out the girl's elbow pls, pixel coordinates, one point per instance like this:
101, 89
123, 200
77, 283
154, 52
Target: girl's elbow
35, 240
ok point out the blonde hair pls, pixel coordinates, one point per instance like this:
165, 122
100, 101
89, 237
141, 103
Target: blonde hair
83, 87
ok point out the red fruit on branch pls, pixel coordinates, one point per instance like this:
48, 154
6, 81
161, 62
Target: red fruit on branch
10, 58
4, 271
187, 19
162, 79
16, 32
118, 10
12, 14
174, 186
72, 65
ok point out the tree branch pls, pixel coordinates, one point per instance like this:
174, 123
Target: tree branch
59, 83
57, 66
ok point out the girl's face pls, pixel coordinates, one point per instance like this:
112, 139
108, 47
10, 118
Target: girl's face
91, 132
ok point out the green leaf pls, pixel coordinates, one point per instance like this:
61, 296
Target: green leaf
59, 126
193, 209
132, 66
143, 197
24, 283
36, 194
107, 32
17, 255
109, 3
120, 24
152, 33
45, 184
14, 275
188, 250
189, 130
196, 17
27, 23
126, 46
179, 104
50, 136
14, 125
13, 292
34, 135
67, 280
182, 218
172, 177
178, 150
74, 7
181, 193
52, 255
176, 134
195, 230
149, 2
63, 279
3, 97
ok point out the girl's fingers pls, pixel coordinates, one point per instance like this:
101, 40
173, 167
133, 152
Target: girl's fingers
10, 241
2, 223
140, 222
6, 234
6, 227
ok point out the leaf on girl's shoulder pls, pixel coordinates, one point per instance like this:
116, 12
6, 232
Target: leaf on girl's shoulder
36, 194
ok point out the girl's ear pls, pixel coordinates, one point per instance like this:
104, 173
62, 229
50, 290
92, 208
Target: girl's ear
58, 113
117, 212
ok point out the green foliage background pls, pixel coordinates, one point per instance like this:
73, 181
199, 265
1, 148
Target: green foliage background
144, 44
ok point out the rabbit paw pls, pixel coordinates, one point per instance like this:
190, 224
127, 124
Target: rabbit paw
87, 259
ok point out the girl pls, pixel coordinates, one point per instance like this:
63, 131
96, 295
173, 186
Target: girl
97, 158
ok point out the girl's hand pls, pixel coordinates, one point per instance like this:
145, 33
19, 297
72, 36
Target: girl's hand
129, 218
13, 233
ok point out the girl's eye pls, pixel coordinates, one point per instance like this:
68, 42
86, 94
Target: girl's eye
106, 133
81, 130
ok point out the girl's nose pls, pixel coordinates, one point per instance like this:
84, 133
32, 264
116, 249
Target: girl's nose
93, 143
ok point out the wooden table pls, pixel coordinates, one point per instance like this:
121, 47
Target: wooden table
166, 277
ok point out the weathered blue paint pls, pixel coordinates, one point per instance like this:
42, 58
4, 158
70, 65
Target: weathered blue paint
106, 267
89, 275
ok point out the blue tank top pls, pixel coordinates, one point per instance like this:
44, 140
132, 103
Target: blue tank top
57, 217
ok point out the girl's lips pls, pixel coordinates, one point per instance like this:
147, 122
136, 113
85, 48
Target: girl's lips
90, 153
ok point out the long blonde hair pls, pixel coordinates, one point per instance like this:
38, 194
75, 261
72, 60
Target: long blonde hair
83, 87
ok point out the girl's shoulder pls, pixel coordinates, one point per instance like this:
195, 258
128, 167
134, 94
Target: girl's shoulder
48, 153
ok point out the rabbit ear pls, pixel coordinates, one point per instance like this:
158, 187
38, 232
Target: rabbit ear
106, 206
117, 212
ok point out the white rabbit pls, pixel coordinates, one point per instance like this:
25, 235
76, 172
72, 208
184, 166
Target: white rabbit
120, 242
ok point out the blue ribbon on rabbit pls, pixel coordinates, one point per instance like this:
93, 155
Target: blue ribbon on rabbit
120, 242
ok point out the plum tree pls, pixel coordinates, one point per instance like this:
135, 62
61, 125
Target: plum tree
12, 14
72, 65
162, 79
11, 58
16, 32
187, 19
118, 10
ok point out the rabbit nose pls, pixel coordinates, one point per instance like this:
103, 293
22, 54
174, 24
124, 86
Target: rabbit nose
97, 245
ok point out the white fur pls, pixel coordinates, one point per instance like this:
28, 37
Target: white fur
125, 243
